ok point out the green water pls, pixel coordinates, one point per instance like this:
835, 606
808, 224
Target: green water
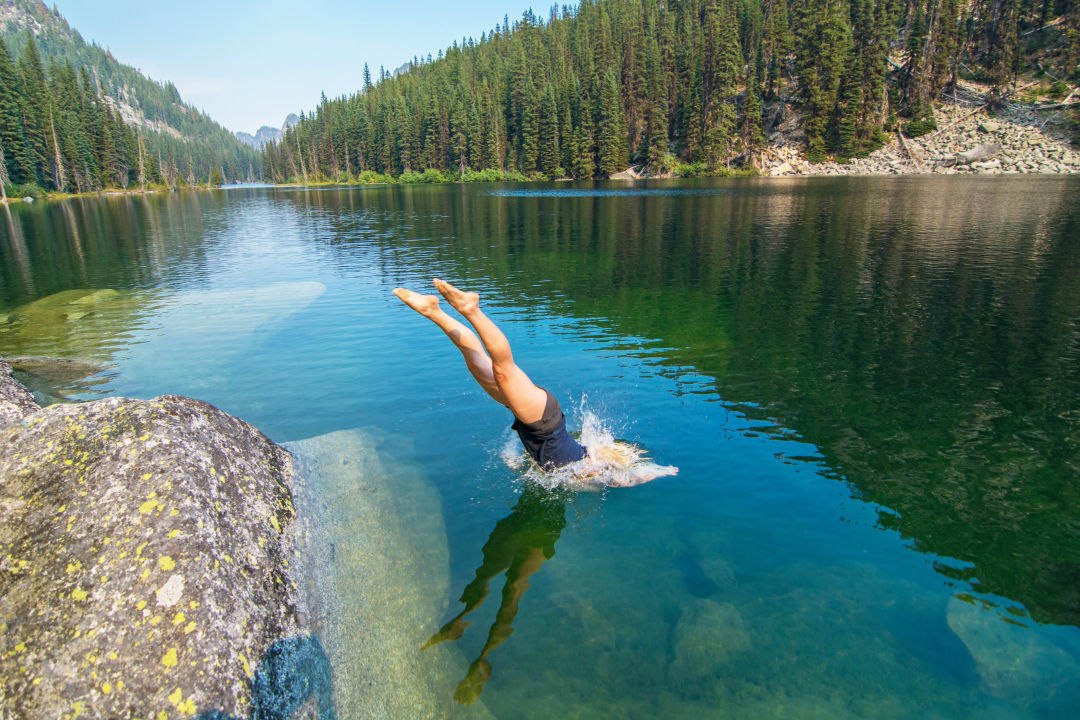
871, 388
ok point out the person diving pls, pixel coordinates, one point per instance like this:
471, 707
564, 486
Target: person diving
538, 418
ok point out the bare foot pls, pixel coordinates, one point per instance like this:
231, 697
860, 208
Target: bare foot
426, 305
469, 689
463, 302
452, 630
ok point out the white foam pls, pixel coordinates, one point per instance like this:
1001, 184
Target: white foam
610, 462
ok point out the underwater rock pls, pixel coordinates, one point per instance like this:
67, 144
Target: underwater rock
57, 371
16, 402
1014, 662
146, 565
96, 296
86, 324
376, 564
707, 637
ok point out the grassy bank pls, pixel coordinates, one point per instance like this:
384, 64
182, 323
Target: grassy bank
18, 193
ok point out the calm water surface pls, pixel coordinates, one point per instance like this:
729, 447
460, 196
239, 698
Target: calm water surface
871, 388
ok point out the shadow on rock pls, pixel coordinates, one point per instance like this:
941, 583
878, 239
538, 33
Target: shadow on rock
292, 674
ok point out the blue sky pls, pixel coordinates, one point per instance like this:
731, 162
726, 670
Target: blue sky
251, 63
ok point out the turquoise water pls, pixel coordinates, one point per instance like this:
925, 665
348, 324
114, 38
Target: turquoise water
871, 388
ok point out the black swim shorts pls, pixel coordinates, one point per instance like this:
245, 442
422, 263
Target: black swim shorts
547, 440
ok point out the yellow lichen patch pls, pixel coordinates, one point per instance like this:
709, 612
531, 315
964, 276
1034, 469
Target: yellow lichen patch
189, 628
193, 604
176, 696
274, 522
78, 594
106, 687
156, 619
77, 709
146, 476
146, 573
169, 659
138, 550
148, 507
174, 512
75, 566
140, 605
21, 647
166, 563
173, 533
178, 618
244, 663
61, 509
113, 656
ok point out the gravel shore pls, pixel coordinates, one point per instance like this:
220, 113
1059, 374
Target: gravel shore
1017, 139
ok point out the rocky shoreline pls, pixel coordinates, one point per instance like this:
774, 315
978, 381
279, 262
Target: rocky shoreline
1017, 139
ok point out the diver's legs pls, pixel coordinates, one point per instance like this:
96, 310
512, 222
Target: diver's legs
474, 595
517, 582
523, 397
471, 348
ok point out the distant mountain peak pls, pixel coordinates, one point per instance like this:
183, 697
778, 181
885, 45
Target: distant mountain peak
267, 134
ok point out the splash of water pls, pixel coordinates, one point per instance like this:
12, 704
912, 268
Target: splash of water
609, 463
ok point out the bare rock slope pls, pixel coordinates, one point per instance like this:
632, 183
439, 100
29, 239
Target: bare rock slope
145, 564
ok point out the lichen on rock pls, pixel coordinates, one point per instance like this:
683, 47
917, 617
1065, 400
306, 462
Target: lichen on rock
145, 552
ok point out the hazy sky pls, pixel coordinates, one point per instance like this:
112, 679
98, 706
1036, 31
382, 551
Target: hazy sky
250, 63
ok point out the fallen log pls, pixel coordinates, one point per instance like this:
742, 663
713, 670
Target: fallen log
914, 157
986, 151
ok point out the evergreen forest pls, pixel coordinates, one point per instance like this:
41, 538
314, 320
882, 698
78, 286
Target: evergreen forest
674, 86
73, 119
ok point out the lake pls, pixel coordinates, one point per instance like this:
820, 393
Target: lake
870, 386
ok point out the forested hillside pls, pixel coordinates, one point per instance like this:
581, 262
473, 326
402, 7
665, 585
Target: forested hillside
74, 119
688, 85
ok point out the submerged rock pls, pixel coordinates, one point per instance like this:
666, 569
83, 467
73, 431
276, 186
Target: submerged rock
85, 324
708, 636
376, 565
146, 564
1014, 662
57, 371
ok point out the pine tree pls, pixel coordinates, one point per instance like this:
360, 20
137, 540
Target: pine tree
34, 110
822, 47
611, 143
529, 136
722, 63
549, 135
16, 153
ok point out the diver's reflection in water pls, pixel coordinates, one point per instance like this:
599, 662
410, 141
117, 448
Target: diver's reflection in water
519, 544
